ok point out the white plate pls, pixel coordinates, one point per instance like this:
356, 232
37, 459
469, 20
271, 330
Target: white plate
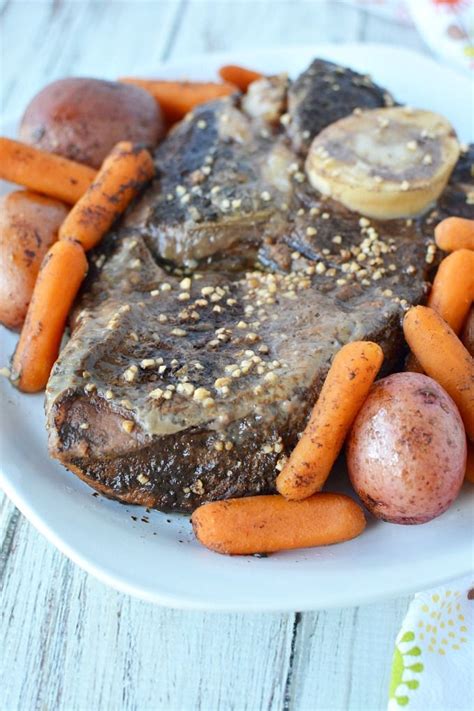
160, 561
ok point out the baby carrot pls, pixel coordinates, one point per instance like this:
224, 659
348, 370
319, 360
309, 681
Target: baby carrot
60, 276
265, 524
455, 233
451, 295
239, 76
443, 357
452, 292
345, 389
123, 173
177, 98
42, 172
470, 463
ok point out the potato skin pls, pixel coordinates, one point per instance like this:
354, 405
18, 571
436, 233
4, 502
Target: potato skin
406, 452
82, 119
29, 225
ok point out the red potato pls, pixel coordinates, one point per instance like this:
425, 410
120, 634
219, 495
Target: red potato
82, 119
29, 225
406, 453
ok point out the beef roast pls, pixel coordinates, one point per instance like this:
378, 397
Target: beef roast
219, 175
325, 93
212, 314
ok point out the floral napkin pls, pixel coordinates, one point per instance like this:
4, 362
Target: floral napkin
447, 26
433, 660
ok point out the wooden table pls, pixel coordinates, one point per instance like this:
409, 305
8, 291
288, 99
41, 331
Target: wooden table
68, 642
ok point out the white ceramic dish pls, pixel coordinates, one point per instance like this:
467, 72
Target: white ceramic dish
160, 561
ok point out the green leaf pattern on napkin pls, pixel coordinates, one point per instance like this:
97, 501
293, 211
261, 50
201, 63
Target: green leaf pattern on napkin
406, 667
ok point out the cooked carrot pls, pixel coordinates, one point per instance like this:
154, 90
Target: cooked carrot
452, 292
62, 271
470, 463
43, 172
124, 172
345, 389
239, 76
177, 98
443, 357
455, 233
265, 524
451, 295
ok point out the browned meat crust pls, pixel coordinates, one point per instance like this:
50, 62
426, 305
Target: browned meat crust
210, 319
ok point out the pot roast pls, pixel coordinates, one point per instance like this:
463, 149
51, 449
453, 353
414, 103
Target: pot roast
211, 314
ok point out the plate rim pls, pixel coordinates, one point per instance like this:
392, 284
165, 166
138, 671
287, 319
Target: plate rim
188, 602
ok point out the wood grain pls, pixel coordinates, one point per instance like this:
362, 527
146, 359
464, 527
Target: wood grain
376, 29
80, 645
67, 641
84, 646
361, 641
219, 26
85, 38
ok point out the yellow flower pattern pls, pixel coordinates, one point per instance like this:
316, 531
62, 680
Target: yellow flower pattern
442, 623
435, 628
